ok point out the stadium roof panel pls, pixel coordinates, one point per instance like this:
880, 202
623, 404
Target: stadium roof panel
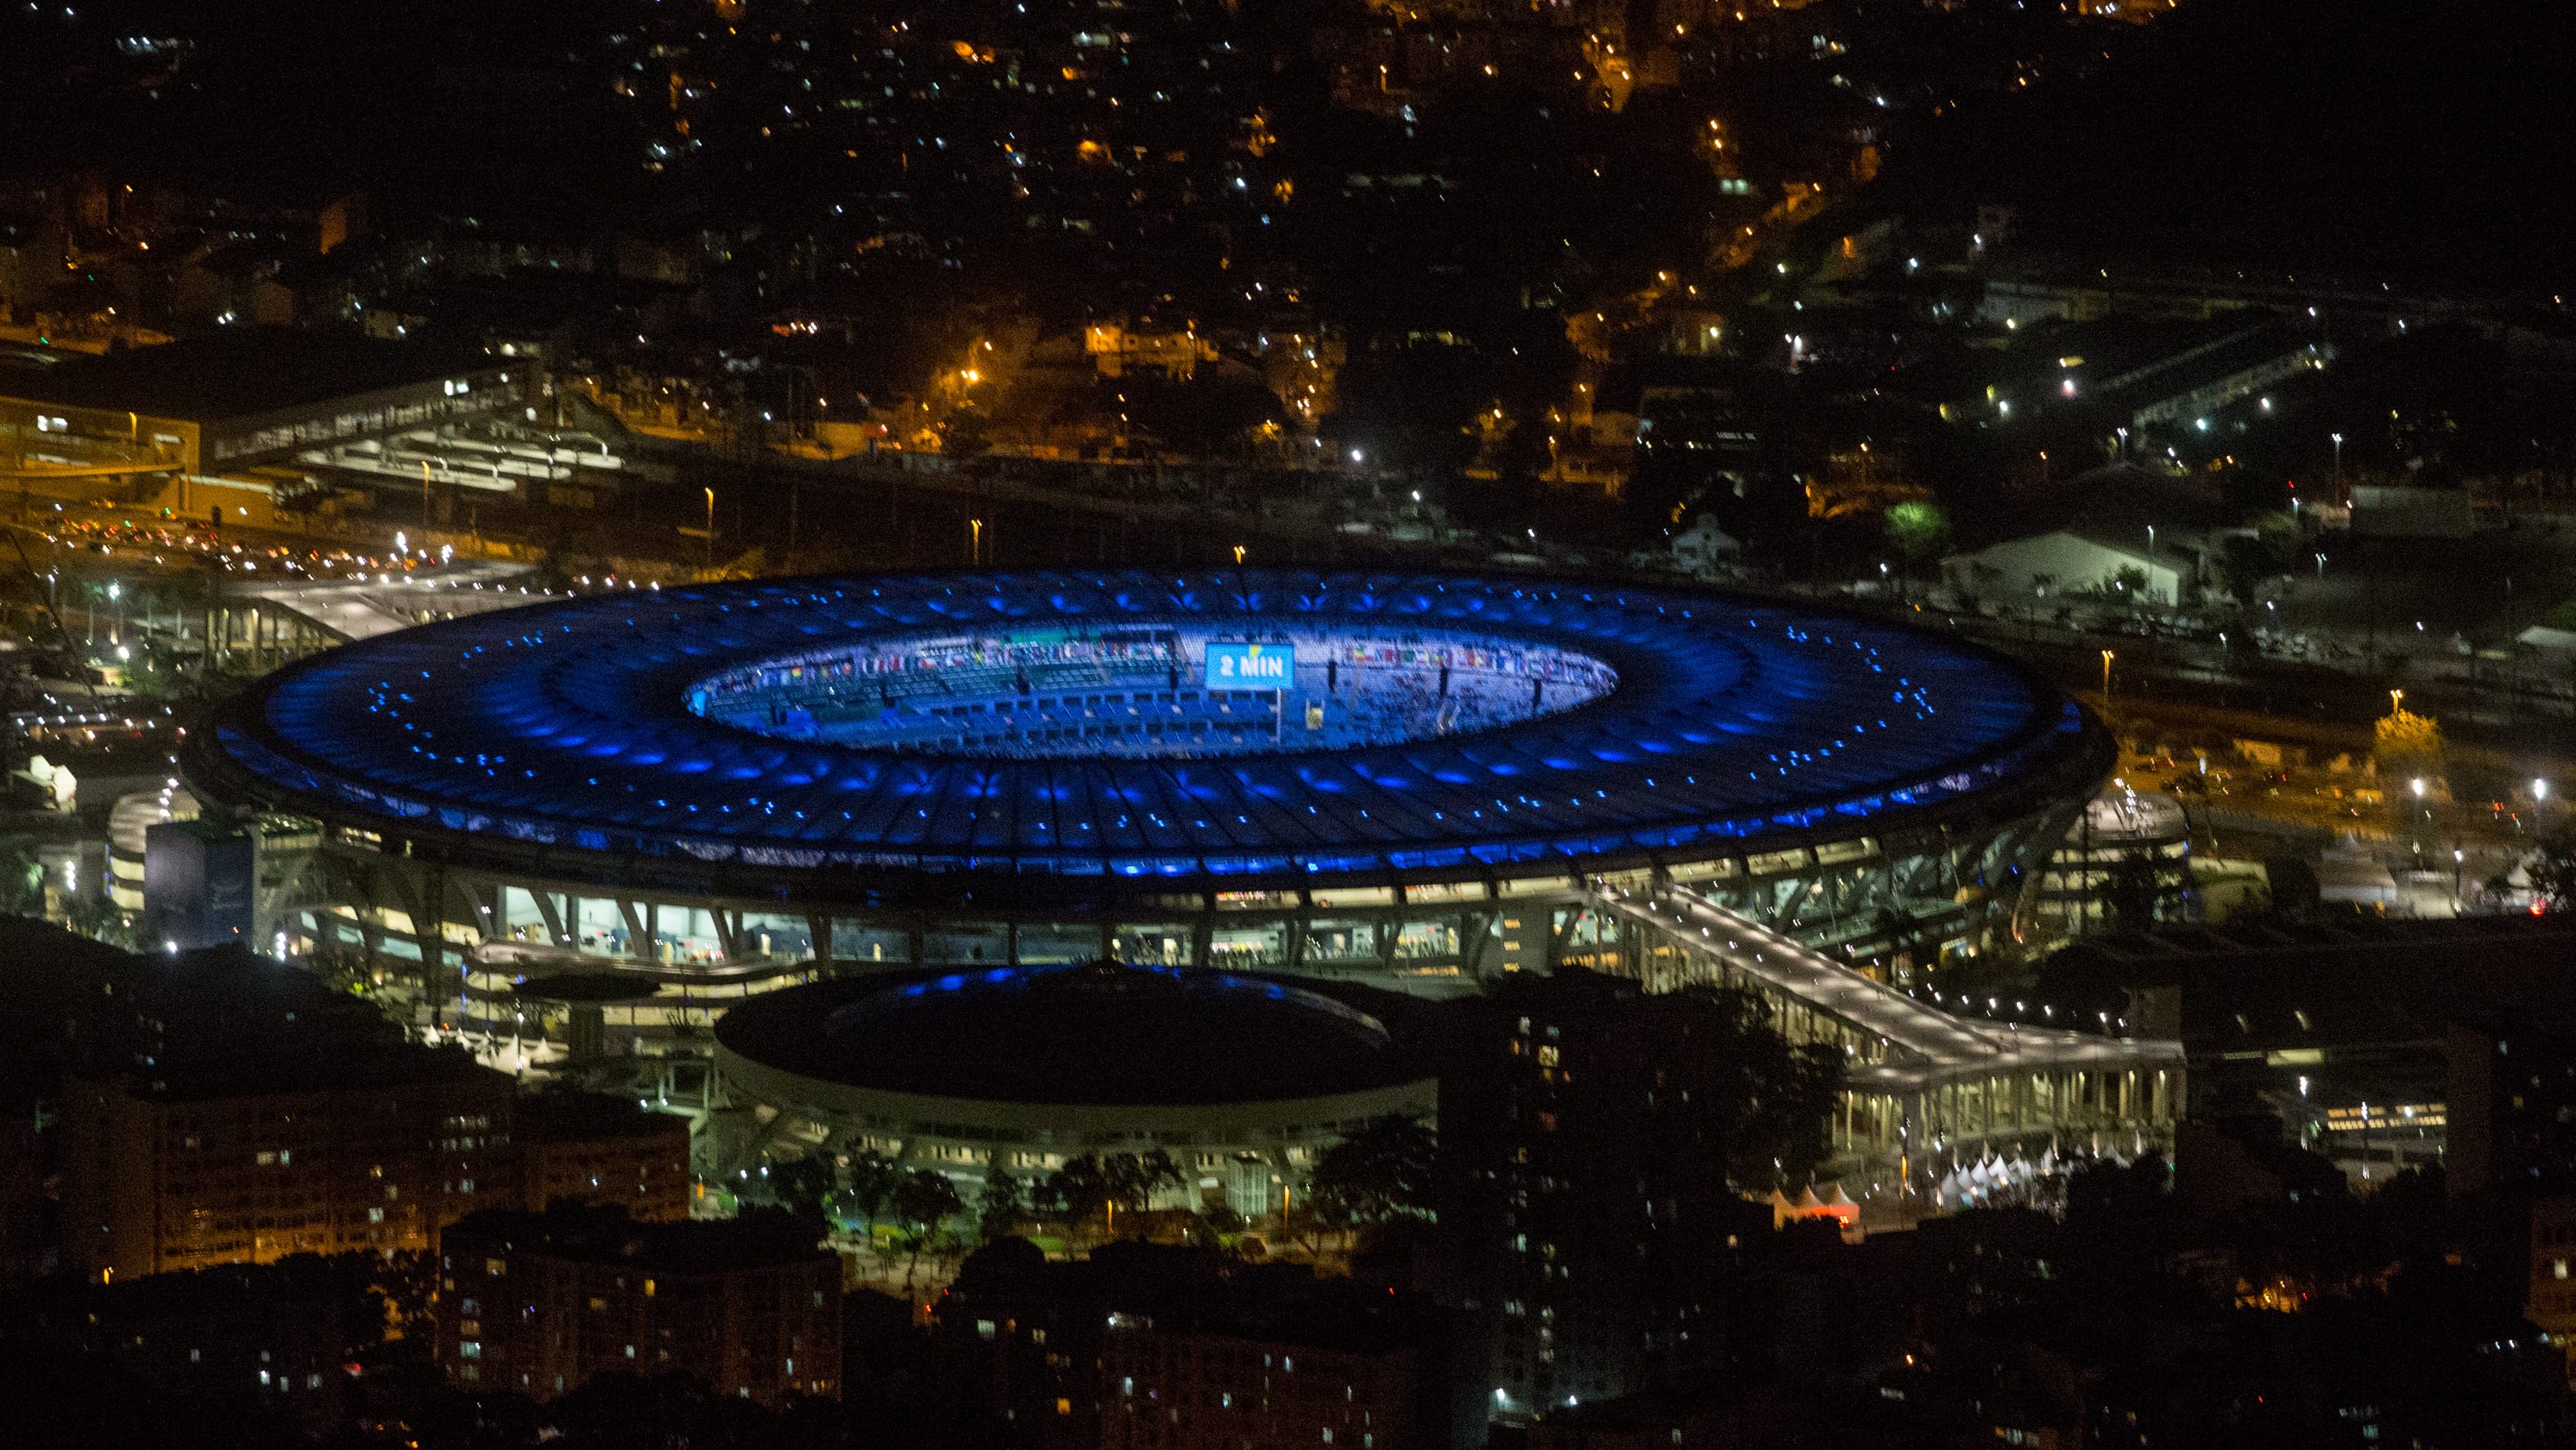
567, 727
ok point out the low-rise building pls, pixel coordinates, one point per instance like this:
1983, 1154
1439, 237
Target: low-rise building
182, 1172
539, 1304
2071, 561
1144, 1347
227, 1109
276, 1336
591, 1148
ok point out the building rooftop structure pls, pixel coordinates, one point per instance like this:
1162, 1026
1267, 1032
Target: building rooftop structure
223, 1022
237, 372
1098, 1033
550, 1117
2265, 987
585, 1233
1177, 1290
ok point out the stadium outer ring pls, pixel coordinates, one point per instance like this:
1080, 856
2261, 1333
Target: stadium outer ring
2039, 766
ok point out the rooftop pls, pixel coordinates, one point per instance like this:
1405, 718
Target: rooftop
1097, 1034
584, 1233
235, 372
556, 1117
1169, 1289
223, 1022
2261, 987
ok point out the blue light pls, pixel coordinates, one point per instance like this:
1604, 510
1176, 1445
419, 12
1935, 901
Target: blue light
602, 741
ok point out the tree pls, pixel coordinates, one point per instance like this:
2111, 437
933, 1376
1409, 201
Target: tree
1079, 1189
1759, 1104
2244, 562
2553, 871
924, 1200
1132, 1179
22, 878
1003, 1200
965, 433
1382, 1172
1918, 531
803, 1185
869, 1194
2407, 744
1203, 418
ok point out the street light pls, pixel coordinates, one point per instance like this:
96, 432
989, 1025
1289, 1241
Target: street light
2338, 447
1238, 553
2539, 789
711, 528
2397, 706
975, 541
2107, 657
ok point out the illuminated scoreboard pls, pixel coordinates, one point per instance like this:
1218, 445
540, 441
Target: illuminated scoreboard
1251, 667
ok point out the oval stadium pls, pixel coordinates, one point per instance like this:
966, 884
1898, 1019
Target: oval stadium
1391, 774
653, 832
1240, 1080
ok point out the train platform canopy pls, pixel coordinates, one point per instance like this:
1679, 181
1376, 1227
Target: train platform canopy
238, 372
238, 397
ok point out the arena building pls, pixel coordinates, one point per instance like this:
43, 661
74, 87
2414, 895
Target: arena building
1395, 775
1240, 1080
736, 798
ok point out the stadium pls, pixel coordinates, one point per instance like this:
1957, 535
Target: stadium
1242, 1082
1406, 775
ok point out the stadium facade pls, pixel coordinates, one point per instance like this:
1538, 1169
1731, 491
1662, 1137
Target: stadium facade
1012, 769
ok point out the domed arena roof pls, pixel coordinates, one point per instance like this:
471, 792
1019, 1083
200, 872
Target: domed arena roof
1100, 1034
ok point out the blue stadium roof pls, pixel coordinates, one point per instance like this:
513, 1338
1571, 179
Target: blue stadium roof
565, 728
